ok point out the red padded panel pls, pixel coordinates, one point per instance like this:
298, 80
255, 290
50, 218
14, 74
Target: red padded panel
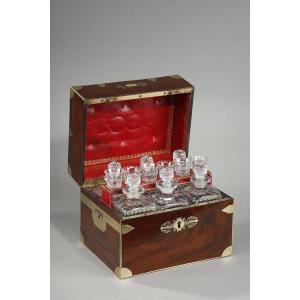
125, 130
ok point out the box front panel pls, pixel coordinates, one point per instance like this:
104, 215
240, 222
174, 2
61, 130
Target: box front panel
178, 237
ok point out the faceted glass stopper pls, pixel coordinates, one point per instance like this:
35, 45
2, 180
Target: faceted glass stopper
164, 163
147, 162
113, 176
166, 174
130, 170
179, 155
167, 184
133, 189
114, 168
148, 169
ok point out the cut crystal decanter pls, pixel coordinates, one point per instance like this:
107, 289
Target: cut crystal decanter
148, 169
132, 201
113, 176
166, 197
182, 164
200, 189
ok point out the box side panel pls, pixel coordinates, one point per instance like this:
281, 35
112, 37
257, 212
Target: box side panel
178, 237
76, 138
103, 241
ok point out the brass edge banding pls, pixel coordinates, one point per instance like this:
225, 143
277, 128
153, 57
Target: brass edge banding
123, 273
100, 217
69, 170
70, 132
136, 96
178, 266
227, 251
81, 238
78, 94
228, 209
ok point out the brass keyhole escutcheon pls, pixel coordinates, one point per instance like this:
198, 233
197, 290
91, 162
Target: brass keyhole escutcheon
179, 224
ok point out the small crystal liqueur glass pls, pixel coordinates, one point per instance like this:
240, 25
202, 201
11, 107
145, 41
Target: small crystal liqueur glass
133, 202
199, 165
167, 185
148, 169
113, 176
182, 164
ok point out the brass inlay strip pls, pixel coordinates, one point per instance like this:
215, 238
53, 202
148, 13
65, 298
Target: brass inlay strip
228, 209
227, 251
138, 96
78, 94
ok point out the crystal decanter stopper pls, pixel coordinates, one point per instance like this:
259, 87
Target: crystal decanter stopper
182, 164
113, 175
133, 188
200, 188
148, 169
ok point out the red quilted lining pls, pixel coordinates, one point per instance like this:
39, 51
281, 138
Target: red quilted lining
125, 130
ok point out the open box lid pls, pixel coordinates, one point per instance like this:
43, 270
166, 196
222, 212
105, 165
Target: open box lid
124, 121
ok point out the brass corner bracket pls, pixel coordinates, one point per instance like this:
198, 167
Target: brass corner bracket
227, 251
123, 273
228, 209
126, 228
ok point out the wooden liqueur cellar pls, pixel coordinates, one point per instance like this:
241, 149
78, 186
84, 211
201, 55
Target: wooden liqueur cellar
123, 122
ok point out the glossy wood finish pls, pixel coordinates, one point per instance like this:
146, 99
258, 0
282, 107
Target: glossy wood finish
146, 248
105, 244
76, 138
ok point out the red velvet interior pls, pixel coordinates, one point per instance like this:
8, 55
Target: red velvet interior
127, 130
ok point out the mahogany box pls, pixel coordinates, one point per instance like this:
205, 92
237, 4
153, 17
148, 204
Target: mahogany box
124, 121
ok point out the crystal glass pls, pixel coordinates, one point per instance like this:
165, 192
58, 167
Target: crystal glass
113, 175
133, 188
164, 163
130, 170
199, 165
167, 185
148, 169
133, 202
182, 164
200, 190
